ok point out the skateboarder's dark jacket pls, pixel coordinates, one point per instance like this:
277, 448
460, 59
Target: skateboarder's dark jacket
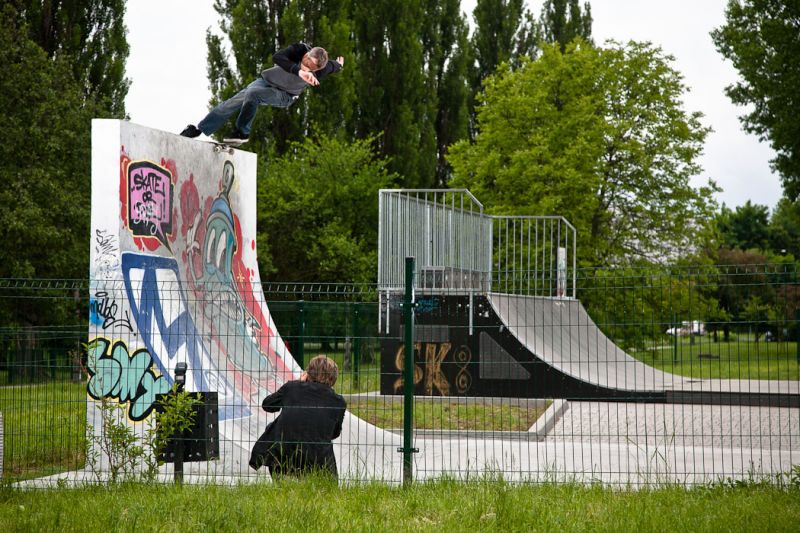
285, 74
299, 440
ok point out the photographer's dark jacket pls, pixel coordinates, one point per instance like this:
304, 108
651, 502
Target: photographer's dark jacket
299, 439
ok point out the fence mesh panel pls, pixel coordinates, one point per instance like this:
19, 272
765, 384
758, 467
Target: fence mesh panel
681, 375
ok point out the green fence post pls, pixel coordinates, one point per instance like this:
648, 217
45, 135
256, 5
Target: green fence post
797, 334
408, 374
356, 347
301, 333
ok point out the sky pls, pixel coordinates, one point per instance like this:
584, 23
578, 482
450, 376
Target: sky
169, 86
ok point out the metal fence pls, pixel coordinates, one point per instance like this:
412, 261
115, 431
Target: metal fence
647, 376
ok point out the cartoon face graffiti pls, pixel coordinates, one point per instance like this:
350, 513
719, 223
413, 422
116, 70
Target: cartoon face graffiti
221, 302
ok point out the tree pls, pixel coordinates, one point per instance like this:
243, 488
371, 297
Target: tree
446, 61
745, 228
89, 35
494, 38
784, 228
760, 37
562, 20
396, 96
44, 177
597, 136
321, 224
744, 285
494, 42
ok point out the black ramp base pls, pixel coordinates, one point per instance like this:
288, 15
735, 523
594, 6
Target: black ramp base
534, 347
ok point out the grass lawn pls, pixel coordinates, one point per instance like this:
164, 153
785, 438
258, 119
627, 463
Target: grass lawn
44, 428
739, 359
428, 414
488, 505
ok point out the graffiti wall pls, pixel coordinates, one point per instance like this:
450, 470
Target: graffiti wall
174, 279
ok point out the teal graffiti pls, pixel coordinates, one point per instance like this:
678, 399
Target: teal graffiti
128, 378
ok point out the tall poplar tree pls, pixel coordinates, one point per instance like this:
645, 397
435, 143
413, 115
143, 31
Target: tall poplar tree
563, 20
446, 52
90, 36
395, 97
494, 38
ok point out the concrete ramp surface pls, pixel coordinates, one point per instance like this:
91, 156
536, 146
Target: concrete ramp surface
559, 332
174, 278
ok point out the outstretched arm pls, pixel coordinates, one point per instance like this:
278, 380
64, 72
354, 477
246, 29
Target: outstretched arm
333, 66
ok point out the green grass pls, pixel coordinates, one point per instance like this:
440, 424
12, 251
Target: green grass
441, 506
453, 415
44, 428
739, 359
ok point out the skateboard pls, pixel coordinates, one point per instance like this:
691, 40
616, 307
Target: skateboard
224, 147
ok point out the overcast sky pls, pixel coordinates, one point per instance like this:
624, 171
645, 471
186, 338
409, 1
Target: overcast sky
169, 87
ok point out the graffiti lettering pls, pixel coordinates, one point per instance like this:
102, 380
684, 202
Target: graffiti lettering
433, 355
399, 362
462, 358
104, 308
167, 328
150, 192
106, 261
426, 305
433, 366
127, 378
106, 243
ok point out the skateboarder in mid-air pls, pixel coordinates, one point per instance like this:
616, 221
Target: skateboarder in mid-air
296, 67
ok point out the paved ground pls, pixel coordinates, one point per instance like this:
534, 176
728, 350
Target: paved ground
627, 445
715, 426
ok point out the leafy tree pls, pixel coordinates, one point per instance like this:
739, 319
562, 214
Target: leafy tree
743, 283
396, 94
760, 38
494, 39
321, 223
90, 36
44, 164
446, 55
784, 228
44, 182
745, 228
563, 20
597, 136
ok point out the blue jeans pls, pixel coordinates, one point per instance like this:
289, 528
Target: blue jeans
246, 102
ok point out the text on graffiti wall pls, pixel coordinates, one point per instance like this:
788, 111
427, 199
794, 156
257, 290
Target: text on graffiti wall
150, 200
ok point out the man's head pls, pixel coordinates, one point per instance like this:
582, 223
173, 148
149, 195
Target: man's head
315, 59
323, 369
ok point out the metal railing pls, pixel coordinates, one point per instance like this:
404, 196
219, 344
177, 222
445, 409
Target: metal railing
534, 255
445, 231
458, 247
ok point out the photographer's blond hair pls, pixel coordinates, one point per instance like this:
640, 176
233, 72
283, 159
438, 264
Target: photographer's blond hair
323, 369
